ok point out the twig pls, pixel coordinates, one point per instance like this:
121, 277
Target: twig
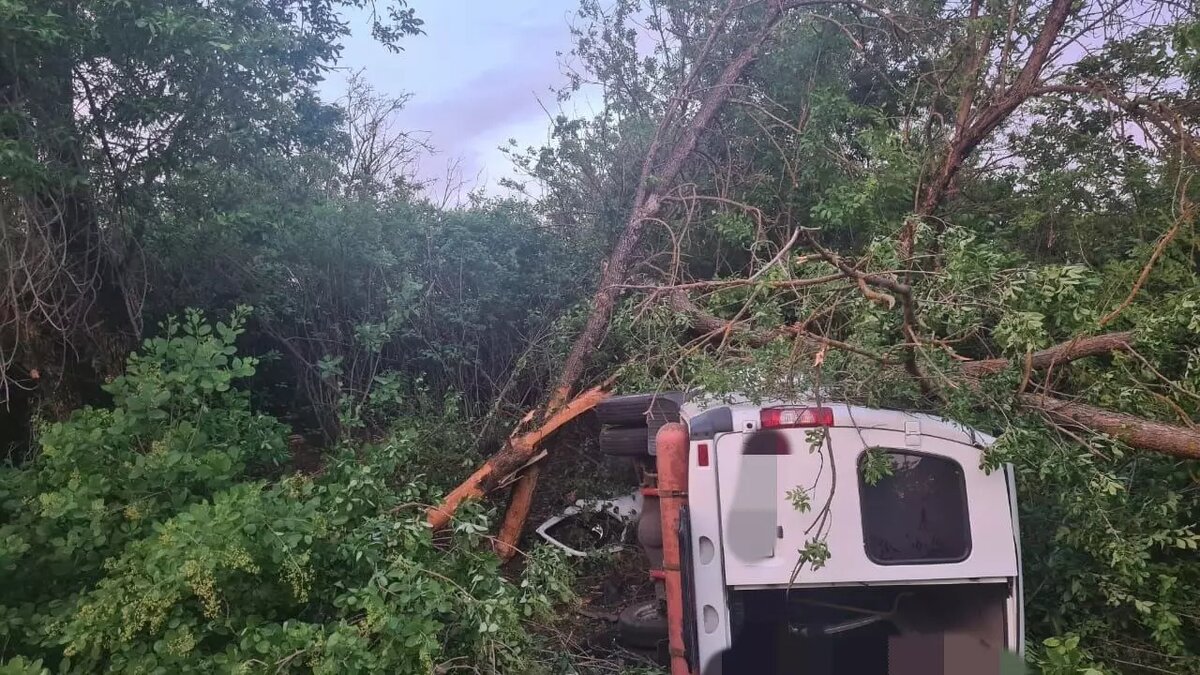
1186, 215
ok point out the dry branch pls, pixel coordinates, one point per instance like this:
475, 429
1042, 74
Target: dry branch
773, 284
715, 325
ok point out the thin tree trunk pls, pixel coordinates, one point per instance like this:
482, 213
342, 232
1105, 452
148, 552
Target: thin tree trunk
656, 180
973, 129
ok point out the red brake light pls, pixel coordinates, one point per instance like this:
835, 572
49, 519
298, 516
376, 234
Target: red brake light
786, 417
702, 454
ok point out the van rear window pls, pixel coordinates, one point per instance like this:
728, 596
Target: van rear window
917, 512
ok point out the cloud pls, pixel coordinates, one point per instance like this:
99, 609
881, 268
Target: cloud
475, 77
465, 122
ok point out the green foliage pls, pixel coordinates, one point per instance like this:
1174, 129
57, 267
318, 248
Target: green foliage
874, 466
22, 666
348, 290
814, 554
178, 433
158, 532
800, 499
140, 540
1043, 232
1064, 656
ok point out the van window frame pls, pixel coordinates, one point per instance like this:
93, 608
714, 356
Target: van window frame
965, 497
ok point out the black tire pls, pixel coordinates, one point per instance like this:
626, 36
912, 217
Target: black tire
625, 441
642, 625
631, 409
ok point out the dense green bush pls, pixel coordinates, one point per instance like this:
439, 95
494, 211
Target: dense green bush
140, 540
347, 289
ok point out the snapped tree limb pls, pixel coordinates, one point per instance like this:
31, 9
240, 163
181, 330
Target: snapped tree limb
511, 458
1137, 432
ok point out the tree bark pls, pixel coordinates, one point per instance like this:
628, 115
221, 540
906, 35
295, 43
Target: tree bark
512, 457
1078, 348
1135, 432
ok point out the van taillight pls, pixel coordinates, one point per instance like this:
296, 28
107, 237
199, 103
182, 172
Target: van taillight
785, 417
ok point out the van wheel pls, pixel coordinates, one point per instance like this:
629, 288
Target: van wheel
632, 409
625, 441
642, 625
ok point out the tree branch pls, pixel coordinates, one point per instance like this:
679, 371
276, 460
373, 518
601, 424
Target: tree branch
711, 324
511, 458
1168, 439
968, 136
1061, 353
648, 201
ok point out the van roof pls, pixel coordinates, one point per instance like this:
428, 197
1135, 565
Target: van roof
845, 415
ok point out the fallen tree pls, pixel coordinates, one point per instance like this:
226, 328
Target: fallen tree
660, 170
981, 111
882, 210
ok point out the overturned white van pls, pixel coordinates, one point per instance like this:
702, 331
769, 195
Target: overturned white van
828, 538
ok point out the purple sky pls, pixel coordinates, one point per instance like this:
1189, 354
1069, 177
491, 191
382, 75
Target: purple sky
475, 77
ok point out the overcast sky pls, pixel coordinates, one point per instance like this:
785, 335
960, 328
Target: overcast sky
476, 77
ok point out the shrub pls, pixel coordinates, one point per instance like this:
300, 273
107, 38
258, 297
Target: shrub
147, 538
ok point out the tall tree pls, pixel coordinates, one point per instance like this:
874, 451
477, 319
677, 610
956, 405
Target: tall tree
102, 106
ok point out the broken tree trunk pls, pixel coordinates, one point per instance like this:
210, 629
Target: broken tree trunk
512, 457
519, 505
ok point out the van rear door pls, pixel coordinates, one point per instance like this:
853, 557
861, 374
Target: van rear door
937, 516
